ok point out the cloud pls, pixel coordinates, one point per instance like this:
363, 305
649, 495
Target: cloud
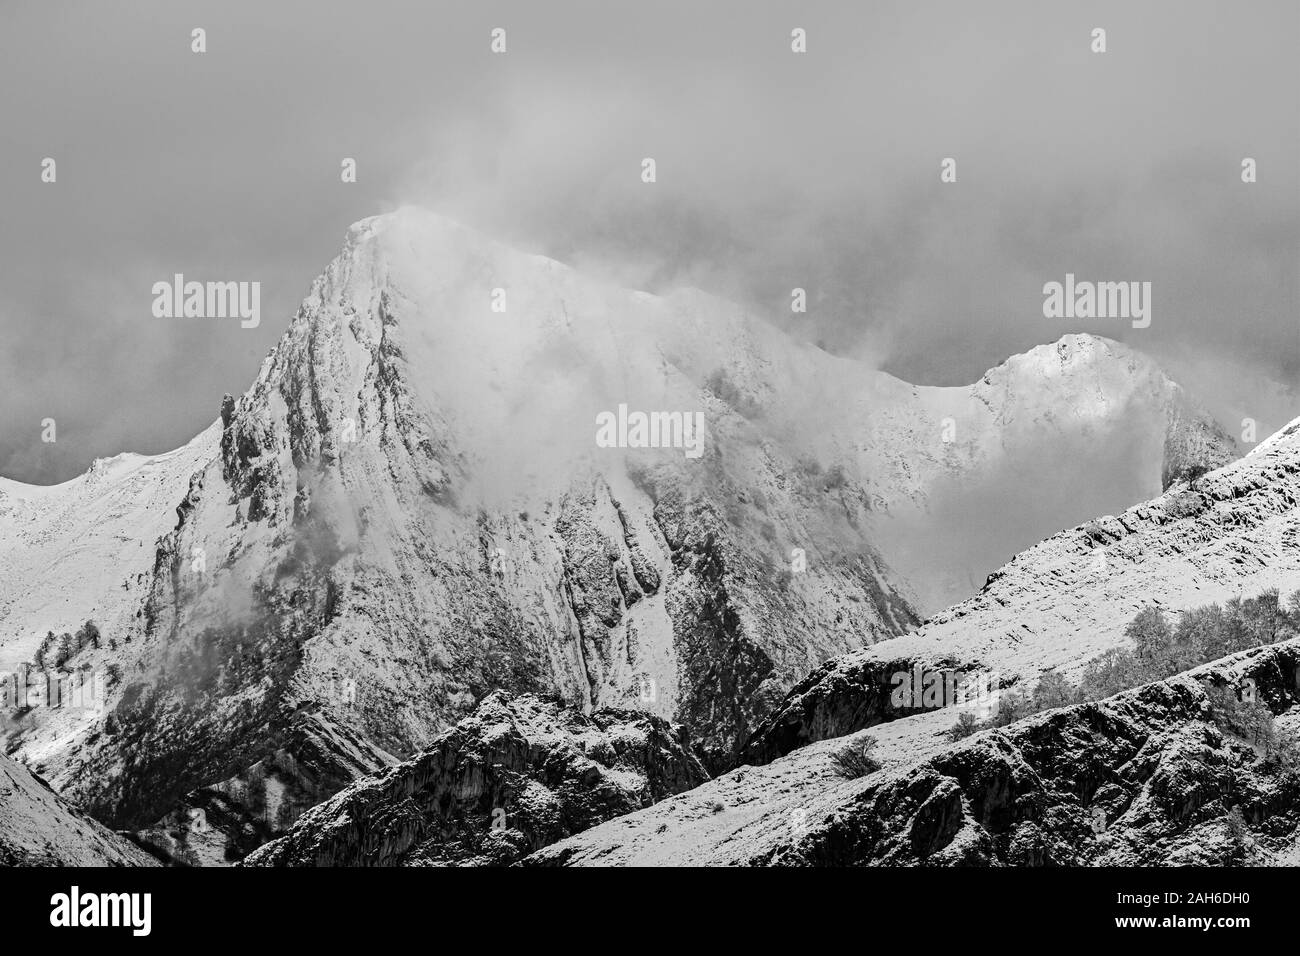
776, 170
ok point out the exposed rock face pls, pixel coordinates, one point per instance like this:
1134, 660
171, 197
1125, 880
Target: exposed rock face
38, 829
1150, 776
516, 775
378, 512
1063, 602
1194, 444
842, 696
218, 825
409, 503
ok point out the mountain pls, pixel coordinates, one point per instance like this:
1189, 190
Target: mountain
969, 476
516, 775
38, 829
409, 509
1157, 758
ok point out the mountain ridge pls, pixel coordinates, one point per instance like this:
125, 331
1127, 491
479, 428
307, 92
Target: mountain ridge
409, 497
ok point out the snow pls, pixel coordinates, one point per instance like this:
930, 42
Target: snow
1052, 607
474, 432
520, 390
39, 829
84, 549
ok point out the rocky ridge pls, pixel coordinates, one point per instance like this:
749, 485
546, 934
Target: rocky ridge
516, 775
1159, 775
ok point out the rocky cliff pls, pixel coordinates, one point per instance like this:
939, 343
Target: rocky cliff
1167, 772
515, 776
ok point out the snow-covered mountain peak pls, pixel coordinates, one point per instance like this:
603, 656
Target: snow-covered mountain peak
1089, 370
411, 496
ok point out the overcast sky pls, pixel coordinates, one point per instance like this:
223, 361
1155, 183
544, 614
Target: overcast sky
775, 170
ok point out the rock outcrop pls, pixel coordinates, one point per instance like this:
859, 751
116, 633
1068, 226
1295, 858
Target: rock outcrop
516, 775
1166, 774
220, 824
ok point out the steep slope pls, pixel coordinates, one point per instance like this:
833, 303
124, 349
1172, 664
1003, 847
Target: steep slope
221, 823
38, 829
1065, 601
1242, 536
1153, 776
516, 775
408, 509
85, 549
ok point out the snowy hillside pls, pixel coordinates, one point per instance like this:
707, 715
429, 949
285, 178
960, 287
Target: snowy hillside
85, 548
1054, 606
38, 829
1232, 533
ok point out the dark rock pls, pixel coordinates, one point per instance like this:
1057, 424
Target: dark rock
516, 775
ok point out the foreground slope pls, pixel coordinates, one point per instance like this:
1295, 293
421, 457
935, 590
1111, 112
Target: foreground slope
516, 775
1160, 775
38, 829
1062, 603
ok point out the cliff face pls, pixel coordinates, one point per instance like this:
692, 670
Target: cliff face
516, 775
220, 823
408, 510
408, 503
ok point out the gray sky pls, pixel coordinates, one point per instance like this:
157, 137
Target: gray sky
775, 170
